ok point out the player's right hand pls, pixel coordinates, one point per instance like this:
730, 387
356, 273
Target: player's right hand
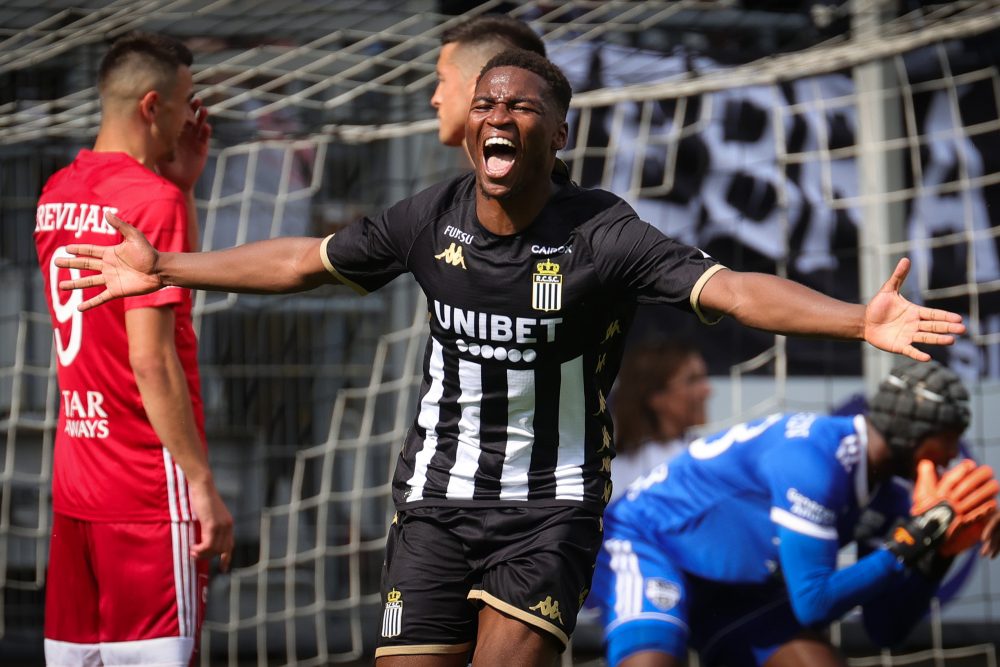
126, 269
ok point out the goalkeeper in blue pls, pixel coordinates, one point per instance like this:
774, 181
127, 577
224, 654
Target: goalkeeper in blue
731, 548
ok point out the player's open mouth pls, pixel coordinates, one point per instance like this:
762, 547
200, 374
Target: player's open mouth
498, 156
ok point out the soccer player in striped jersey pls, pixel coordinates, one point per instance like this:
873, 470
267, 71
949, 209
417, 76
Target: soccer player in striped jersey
531, 282
136, 511
731, 548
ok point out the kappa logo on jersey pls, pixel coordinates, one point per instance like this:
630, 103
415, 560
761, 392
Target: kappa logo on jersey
392, 617
548, 609
452, 255
546, 292
662, 594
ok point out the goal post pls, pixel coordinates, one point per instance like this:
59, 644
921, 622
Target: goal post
321, 116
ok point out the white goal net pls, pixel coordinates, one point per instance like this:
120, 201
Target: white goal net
819, 144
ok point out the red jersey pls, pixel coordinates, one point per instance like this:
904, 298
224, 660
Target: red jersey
109, 464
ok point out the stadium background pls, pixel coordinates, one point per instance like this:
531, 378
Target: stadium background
764, 132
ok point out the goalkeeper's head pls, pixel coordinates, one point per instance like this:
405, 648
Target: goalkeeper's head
915, 401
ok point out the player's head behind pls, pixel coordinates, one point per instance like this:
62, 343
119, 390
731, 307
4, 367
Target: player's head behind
921, 409
517, 123
465, 48
145, 85
493, 33
139, 62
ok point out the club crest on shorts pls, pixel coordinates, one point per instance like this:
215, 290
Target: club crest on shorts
392, 616
662, 593
546, 287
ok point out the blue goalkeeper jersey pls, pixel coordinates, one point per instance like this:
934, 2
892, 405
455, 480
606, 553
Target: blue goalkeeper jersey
719, 509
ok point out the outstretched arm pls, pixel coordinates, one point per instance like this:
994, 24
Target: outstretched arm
889, 321
134, 267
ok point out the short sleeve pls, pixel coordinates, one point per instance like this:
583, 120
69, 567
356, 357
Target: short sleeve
164, 222
371, 252
636, 258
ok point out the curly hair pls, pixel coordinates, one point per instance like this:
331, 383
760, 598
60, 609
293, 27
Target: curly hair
559, 87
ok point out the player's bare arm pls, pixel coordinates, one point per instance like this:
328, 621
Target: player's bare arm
133, 267
889, 321
160, 378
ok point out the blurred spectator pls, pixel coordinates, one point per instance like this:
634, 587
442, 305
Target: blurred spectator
661, 394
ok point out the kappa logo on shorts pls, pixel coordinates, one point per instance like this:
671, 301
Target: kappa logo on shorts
392, 617
548, 609
662, 593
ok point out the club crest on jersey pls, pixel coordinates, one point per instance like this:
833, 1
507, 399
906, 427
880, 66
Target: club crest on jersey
546, 287
452, 255
392, 616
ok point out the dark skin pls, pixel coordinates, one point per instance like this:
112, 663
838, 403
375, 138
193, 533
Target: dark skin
516, 106
513, 104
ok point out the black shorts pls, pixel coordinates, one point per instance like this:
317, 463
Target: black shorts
443, 563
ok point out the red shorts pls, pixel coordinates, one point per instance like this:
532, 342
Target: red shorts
123, 593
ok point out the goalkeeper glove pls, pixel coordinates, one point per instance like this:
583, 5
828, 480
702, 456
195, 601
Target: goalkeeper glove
969, 489
921, 534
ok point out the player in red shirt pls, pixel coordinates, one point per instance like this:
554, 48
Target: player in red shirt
136, 510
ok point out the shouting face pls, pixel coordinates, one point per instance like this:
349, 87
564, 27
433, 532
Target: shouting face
513, 132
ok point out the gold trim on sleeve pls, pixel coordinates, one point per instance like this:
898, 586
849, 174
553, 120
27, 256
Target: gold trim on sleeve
333, 271
696, 294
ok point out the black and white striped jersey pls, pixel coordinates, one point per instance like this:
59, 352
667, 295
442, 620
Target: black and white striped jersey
526, 336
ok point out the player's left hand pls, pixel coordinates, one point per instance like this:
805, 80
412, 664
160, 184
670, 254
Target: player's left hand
894, 324
216, 524
192, 150
126, 269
